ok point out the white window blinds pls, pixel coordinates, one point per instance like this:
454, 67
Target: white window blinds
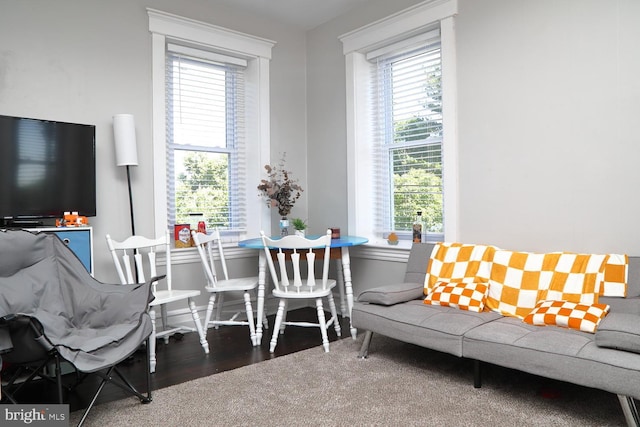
205, 138
407, 99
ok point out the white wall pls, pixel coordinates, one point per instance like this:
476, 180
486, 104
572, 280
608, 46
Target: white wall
326, 106
549, 103
548, 99
86, 60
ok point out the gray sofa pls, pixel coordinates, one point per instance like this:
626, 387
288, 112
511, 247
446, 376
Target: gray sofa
607, 360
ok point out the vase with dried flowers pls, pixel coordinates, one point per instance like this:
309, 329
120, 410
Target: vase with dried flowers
280, 191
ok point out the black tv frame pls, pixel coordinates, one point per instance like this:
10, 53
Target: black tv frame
53, 151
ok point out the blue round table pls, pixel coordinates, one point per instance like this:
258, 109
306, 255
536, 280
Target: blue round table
339, 252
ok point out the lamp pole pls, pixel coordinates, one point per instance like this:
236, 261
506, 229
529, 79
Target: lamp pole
133, 227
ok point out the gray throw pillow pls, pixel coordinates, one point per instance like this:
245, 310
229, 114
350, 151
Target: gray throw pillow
620, 331
392, 294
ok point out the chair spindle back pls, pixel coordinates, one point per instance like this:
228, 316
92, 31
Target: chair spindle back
297, 251
140, 255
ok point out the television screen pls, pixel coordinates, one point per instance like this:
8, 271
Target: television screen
46, 168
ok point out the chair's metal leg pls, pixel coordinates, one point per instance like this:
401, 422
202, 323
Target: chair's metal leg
105, 378
58, 377
364, 350
125, 385
477, 374
630, 411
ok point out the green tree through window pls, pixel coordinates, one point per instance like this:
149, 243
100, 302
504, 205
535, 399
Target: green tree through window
203, 187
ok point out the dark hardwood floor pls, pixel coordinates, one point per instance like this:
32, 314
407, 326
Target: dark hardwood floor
183, 359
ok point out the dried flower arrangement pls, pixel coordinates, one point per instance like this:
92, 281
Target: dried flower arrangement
279, 189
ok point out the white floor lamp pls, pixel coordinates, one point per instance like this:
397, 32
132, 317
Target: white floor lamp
124, 135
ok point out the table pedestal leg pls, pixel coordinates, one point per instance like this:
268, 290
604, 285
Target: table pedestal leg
262, 266
346, 271
341, 288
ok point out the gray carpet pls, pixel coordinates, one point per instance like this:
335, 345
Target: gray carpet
399, 384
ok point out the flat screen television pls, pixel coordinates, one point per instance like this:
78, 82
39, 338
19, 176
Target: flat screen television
46, 168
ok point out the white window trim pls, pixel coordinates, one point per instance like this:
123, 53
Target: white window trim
356, 44
166, 27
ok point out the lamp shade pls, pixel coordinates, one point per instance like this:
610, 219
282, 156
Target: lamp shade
124, 135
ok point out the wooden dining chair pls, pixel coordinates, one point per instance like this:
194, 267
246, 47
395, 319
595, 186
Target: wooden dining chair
298, 251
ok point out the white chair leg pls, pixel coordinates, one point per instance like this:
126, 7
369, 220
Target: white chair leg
284, 316
165, 321
152, 341
265, 323
252, 326
276, 326
196, 320
334, 314
219, 309
323, 324
207, 316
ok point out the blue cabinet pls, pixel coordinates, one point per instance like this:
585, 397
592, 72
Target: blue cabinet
79, 240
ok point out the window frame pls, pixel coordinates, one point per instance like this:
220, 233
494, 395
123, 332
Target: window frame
167, 28
404, 25
386, 144
234, 146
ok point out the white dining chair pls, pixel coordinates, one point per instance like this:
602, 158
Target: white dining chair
136, 261
298, 251
209, 246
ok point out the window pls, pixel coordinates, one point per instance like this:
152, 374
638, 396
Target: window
210, 124
205, 141
401, 123
407, 95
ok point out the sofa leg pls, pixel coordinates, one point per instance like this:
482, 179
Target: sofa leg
364, 350
630, 411
477, 374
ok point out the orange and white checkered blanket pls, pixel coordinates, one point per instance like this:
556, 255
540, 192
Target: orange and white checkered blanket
517, 281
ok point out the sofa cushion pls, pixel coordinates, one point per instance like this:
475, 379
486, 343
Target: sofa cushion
458, 263
465, 296
560, 353
392, 294
620, 331
432, 326
568, 315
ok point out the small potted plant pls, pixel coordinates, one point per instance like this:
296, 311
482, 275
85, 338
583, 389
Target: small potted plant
299, 225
